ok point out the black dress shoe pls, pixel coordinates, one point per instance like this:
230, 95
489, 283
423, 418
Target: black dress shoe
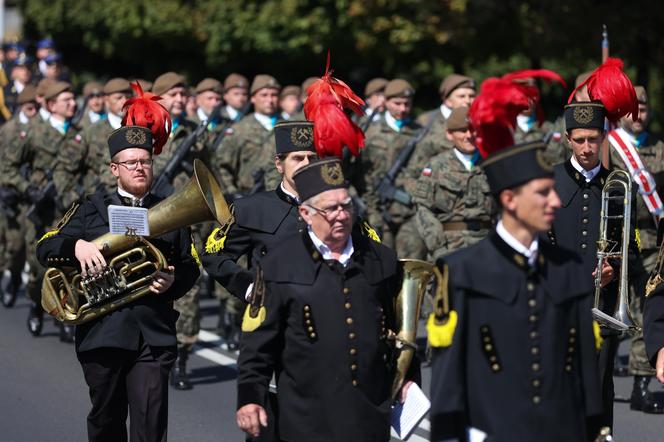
179, 378
35, 319
67, 333
642, 399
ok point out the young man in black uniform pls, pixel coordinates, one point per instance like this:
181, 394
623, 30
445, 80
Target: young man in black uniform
521, 362
126, 355
319, 316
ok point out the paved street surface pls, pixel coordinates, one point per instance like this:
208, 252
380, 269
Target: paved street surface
43, 395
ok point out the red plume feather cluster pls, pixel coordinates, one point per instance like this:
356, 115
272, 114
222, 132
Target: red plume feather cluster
493, 113
327, 100
610, 85
144, 110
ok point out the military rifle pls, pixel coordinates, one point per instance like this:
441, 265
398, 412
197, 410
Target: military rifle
162, 186
387, 191
222, 133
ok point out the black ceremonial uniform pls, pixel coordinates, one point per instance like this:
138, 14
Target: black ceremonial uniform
522, 364
653, 323
261, 222
324, 335
151, 318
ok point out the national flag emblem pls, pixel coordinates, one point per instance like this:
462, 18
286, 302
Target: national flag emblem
426, 171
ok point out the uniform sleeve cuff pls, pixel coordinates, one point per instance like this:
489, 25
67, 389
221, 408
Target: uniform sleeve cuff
251, 394
68, 248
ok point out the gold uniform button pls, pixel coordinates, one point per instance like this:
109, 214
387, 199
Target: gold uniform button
584, 232
484, 328
585, 196
355, 383
530, 286
584, 220
536, 400
353, 351
488, 347
532, 303
351, 335
349, 321
312, 335
532, 318
585, 208
534, 350
584, 246
495, 367
533, 334
536, 383
347, 305
568, 368
346, 290
572, 331
493, 359
307, 315
571, 340
535, 366
306, 308
487, 339
353, 367
310, 329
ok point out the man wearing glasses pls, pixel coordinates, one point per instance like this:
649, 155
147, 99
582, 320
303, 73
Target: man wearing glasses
126, 355
319, 316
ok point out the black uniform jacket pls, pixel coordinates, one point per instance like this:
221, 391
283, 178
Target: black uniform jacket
653, 323
522, 363
324, 336
152, 316
261, 222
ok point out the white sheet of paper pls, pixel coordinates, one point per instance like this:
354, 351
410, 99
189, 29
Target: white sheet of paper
406, 416
125, 220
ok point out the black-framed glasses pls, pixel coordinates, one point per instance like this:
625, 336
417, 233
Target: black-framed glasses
330, 212
133, 164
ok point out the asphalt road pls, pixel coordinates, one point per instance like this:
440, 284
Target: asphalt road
43, 396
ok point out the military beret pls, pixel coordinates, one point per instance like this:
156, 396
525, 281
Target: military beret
235, 80
145, 85
306, 84
399, 88
581, 78
319, 176
585, 115
209, 84
290, 90
56, 88
294, 136
127, 137
263, 81
458, 119
115, 85
374, 86
166, 82
454, 81
92, 88
641, 94
28, 94
43, 84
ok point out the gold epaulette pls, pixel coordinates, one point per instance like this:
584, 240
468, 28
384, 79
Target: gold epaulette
65, 219
194, 254
598, 336
442, 322
255, 313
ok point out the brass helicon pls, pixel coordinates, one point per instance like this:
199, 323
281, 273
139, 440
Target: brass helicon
132, 261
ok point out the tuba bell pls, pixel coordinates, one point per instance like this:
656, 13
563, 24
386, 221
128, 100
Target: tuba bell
618, 188
132, 261
416, 276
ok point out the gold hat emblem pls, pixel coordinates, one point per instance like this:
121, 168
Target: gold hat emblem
543, 161
332, 174
302, 137
135, 137
583, 114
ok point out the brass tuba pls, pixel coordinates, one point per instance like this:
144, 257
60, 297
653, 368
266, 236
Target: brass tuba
132, 260
618, 188
416, 276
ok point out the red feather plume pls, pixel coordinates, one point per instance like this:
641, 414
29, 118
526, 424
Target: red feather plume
493, 113
610, 85
327, 100
144, 110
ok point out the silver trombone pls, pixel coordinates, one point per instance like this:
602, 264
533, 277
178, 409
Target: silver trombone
618, 188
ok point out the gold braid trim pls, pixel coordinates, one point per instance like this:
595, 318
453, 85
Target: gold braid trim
65, 219
194, 253
215, 242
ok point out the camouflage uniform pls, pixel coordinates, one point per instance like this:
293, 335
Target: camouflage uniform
383, 144
38, 150
12, 229
651, 152
248, 149
556, 149
454, 205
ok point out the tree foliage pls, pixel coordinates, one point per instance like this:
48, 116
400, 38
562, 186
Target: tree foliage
421, 40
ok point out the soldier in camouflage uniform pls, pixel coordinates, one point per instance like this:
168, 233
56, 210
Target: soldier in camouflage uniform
384, 141
289, 102
455, 208
208, 95
248, 152
93, 110
374, 97
171, 87
36, 155
88, 158
455, 91
12, 221
651, 151
236, 96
